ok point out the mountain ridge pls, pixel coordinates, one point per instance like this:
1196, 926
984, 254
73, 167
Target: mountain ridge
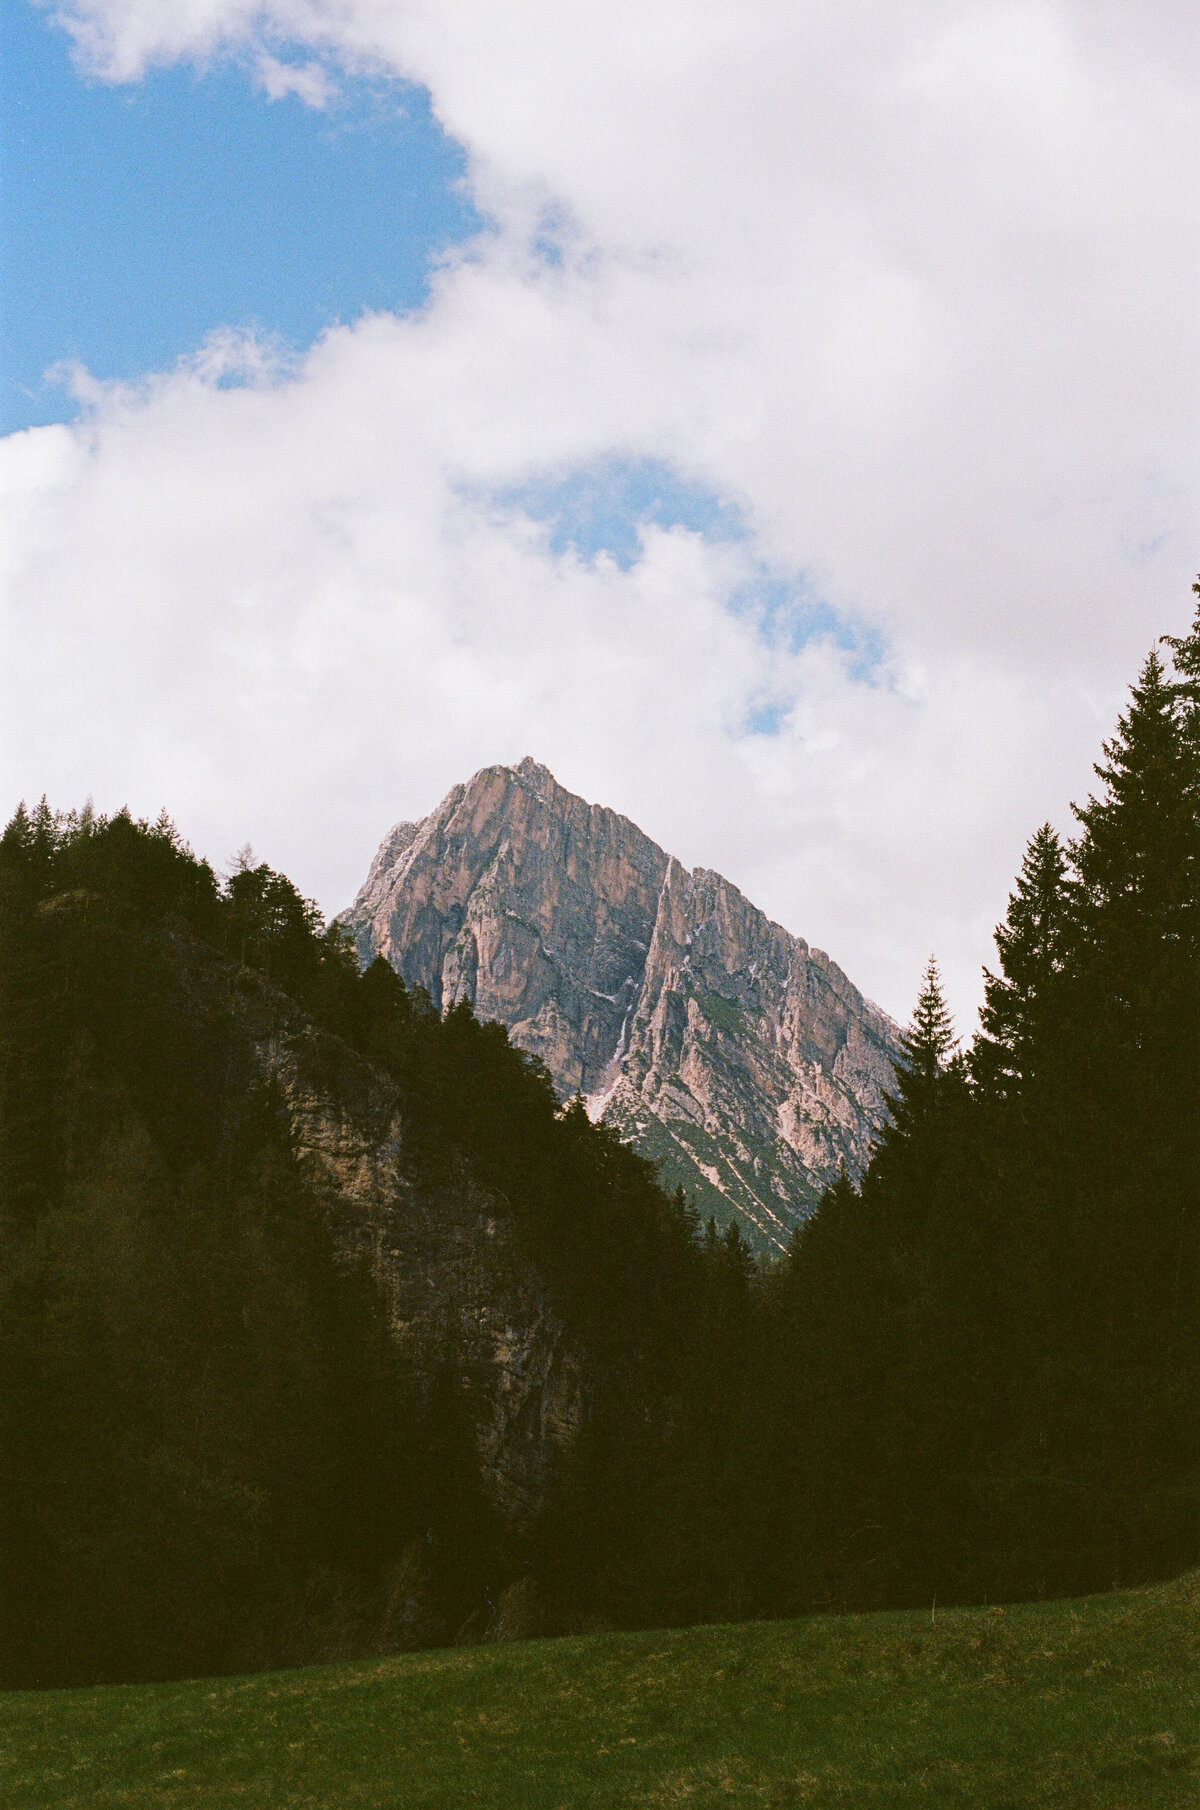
744, 1062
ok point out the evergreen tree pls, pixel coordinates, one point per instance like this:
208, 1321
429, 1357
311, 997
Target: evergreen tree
930, 1082
1185, 657
928, 1045
1138, 860
1019, 1002
1132, 1107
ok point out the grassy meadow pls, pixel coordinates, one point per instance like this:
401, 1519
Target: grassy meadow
1093, 1703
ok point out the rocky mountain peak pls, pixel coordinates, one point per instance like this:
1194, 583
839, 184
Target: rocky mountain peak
538, 776
741, 1060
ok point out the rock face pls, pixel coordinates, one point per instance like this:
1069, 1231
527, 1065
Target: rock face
742, 1061
444, 1256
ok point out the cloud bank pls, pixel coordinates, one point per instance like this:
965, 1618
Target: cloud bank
908, 294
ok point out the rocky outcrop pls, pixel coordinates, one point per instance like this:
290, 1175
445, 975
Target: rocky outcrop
742, 1061
456, 1287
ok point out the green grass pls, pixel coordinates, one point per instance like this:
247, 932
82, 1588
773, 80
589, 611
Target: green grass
1094, 1703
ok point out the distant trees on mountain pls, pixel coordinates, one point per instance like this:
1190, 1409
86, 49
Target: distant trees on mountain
976, 1375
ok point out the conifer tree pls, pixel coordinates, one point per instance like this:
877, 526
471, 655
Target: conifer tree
1019, 1001
929, 1077
1185, 657
1134, 1038
1137, 859
929, 1041
1123, 1275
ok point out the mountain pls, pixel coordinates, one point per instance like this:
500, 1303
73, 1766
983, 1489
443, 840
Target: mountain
742, 1061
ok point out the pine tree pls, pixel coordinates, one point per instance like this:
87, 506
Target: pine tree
1138, 859
1124, 1368
929, 1041
927, 1075
1133, 1040
1185, 657
1019, 1001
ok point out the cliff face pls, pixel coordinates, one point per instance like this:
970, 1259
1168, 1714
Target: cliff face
444, 1255
745, 1063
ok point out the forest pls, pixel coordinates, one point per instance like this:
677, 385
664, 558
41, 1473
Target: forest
975, 1377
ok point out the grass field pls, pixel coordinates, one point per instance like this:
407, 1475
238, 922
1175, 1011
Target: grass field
1093, 1703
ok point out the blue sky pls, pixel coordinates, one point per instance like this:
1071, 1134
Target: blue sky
602, 507
134, 219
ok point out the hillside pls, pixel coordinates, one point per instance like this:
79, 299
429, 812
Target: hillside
723, 1048
319, 1318
1082, 1705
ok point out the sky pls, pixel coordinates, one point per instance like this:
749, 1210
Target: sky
780, 420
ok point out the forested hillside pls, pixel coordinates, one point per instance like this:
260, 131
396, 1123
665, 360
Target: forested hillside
216, 1451
994, 1358
974, 1376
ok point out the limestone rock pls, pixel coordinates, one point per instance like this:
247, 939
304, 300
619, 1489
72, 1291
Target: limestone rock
445, 1257
745, 1063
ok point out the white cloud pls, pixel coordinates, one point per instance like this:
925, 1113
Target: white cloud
914, 285
309, 82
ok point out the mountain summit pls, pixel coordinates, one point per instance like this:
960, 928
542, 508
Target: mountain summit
739, 1059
